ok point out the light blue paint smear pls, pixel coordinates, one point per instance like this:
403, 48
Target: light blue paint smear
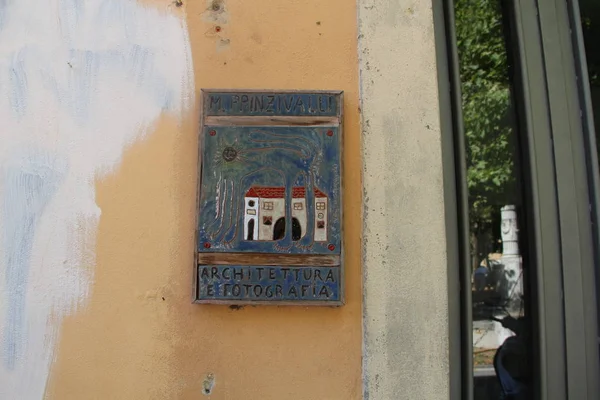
27, 193
80, 81
18, 87
3, 12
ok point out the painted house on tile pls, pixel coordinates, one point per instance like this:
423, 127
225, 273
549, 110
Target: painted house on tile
264, 213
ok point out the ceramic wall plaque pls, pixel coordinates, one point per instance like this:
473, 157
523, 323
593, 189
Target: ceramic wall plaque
270, 198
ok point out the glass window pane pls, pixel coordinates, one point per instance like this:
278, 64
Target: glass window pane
590, 24
501, 322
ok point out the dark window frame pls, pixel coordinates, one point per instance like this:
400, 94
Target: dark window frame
556, 116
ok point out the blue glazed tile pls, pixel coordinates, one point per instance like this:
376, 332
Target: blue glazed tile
270, 190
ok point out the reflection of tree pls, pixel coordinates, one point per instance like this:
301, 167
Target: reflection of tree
487, 109
590, 23
488, 120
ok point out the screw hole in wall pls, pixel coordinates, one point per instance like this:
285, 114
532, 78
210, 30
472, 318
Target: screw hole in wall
208, 384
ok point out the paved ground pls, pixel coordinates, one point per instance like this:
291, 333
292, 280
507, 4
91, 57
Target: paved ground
489, 334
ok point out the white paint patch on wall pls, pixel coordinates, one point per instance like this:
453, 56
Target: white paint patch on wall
79, 82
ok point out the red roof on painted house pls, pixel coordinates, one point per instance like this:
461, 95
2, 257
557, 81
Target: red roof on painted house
273, 192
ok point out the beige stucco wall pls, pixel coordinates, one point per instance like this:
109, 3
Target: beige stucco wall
405, 281
108, 312
139, 336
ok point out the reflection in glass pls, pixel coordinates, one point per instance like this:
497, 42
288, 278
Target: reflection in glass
590, 23
501, 341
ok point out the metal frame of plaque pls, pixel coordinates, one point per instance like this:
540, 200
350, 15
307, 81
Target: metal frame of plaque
269, 208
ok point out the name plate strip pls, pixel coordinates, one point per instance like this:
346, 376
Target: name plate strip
281, 103
267, 259
251, 120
